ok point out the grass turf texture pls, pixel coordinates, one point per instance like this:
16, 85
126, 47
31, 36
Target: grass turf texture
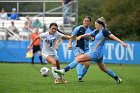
26, 78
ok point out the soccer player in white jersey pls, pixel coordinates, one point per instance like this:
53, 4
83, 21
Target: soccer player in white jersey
49, 52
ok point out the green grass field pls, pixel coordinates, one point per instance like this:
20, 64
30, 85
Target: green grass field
25, 78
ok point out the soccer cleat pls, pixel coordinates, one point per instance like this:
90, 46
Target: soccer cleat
61, 72
119, 80
80, 80
63, 81
56, 82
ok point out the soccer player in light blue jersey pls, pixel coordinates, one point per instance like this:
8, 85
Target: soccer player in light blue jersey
82, 46
96, 50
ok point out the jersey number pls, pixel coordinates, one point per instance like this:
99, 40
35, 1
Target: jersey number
51, 44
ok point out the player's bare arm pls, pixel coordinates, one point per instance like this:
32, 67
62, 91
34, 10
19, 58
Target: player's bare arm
118, 40
70, 42
29, 47
83, 36
66, 36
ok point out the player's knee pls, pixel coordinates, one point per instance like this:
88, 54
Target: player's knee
53, 64
77, 59
87, 64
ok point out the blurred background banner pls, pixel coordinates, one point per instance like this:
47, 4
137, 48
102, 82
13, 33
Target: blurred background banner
15, 51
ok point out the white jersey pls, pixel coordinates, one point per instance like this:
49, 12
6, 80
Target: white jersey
49, 42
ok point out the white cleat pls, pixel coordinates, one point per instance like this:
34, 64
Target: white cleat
119, 80
61, 72
56, 82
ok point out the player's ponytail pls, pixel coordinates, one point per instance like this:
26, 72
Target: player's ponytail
101, 21
60, 31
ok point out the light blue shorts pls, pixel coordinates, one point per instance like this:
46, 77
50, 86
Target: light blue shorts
96, 56
78, 50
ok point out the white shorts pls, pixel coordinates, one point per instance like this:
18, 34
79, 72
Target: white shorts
46, 54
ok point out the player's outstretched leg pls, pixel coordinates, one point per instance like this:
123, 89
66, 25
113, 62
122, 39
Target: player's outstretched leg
67, 68
109, 72
114, 75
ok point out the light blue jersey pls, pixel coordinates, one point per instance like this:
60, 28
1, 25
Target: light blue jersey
96, 54
96, 50
82, 46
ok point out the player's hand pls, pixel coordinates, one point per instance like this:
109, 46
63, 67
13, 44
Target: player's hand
91, 38
125, 45
78, 38
28, 48
69, 47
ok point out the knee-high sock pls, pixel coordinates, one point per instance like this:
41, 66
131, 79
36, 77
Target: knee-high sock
54, 74
85, 69
71, 66
59, 75
79, 70
33, 59
112, 74
40, 57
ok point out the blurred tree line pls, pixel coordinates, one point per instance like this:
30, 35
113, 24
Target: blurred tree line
122, 16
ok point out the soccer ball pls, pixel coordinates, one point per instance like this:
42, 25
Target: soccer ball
44, 71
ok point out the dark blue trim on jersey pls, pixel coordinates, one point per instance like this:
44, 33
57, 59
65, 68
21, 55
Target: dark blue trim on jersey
106, 33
